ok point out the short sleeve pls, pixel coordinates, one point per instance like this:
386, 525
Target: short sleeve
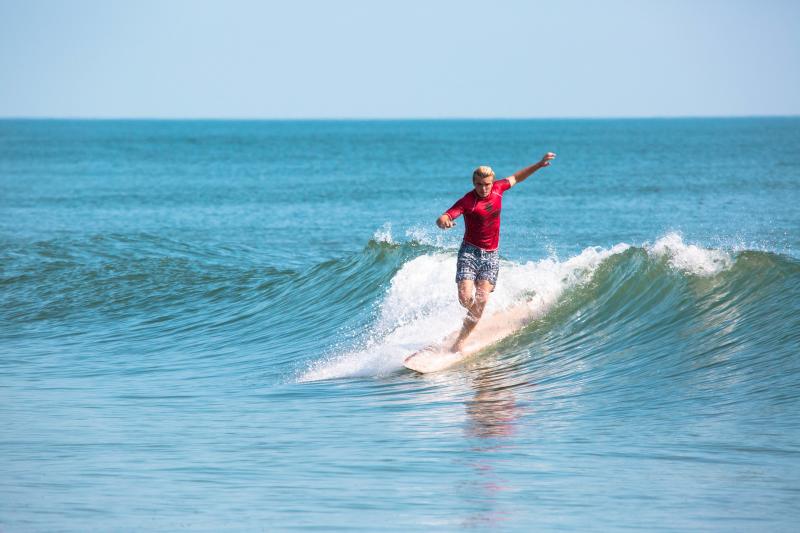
503, 186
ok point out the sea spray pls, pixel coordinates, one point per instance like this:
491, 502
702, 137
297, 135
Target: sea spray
420, 307
384, 234
690, 258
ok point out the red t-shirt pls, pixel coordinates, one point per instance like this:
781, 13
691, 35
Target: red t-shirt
481, 216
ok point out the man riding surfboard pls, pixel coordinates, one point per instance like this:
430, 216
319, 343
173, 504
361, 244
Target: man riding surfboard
478, 259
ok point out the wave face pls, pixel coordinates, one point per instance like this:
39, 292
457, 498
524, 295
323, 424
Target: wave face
362, 315
202, 326
665, 298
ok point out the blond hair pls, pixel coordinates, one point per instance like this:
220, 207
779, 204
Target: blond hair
482, 172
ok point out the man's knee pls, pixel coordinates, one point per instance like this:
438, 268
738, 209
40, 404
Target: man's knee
481, 298
465, 294
465, 299
482, 295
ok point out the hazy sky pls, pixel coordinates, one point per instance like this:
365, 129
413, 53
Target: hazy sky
327, 59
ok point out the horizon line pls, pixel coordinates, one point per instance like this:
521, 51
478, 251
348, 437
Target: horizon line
389, 118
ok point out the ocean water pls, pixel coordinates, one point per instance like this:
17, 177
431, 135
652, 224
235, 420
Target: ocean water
202, 325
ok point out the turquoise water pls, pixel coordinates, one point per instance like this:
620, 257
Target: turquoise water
202, 326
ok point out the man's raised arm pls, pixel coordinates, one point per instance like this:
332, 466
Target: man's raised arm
521, 175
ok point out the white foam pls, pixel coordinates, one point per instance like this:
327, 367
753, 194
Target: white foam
420, 307
384, 234
689, 258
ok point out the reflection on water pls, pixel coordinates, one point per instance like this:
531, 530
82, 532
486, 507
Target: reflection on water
493, 410
492, 417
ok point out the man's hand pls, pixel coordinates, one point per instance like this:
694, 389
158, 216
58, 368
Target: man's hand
545, 162
445, 222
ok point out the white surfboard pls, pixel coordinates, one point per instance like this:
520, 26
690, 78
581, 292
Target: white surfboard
489, 330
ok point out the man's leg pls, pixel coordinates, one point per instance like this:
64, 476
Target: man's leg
483, 288
466, 293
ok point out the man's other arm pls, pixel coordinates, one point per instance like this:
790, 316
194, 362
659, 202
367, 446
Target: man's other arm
521, 175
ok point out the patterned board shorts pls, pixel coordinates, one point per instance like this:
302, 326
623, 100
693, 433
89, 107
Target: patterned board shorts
476, 263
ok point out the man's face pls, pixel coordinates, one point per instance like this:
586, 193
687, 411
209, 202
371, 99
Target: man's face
483, 186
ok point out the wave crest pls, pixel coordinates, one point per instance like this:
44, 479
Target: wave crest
690, 258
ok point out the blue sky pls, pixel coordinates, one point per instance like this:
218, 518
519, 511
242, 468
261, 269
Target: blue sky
372, 59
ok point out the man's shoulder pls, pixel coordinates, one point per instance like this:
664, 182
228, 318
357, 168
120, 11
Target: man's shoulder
501, 185
467, 195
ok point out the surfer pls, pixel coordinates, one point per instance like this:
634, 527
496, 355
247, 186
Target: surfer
478, 260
